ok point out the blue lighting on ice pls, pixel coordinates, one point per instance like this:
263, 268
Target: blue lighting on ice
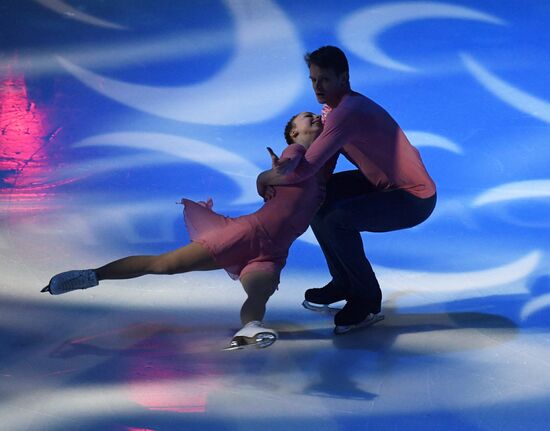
112, 111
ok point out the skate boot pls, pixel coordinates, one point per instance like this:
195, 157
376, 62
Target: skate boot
71, 280
253, 334
357, 314
320, 299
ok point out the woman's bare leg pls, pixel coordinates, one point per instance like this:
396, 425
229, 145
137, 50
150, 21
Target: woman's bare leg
259, 286
192, 257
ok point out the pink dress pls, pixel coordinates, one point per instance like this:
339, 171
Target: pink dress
259, 241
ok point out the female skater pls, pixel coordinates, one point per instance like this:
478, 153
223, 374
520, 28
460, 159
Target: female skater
252, 248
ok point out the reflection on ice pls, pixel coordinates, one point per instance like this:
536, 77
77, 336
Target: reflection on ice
95, 150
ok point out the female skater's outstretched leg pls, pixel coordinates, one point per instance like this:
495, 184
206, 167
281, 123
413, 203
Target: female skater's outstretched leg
192, 257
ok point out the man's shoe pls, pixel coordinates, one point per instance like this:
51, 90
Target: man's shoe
71, 280
357, 314
326, 295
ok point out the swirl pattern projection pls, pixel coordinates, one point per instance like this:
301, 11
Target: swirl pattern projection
110, 112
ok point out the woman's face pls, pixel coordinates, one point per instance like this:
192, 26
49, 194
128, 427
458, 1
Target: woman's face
307, 125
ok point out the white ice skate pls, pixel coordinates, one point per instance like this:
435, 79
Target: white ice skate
321, 308
71, 280
371, 319
253, 334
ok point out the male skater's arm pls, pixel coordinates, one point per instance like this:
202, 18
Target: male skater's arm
321, 150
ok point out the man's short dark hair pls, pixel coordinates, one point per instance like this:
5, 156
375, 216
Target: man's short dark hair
288, 129
328, 57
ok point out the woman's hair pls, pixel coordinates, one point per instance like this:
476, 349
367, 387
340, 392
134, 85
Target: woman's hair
288, 129
328, 57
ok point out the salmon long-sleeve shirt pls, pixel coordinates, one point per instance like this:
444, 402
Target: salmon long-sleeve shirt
370, 138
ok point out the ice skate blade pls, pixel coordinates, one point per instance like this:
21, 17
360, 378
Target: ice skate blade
259, 341
320, 308
370, 320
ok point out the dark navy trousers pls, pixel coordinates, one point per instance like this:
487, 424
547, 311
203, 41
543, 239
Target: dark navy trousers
352, 205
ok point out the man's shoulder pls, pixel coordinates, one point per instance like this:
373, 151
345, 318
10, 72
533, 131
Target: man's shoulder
361, 108
355, 100
351, 105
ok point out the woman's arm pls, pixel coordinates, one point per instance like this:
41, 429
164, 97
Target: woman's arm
290, 158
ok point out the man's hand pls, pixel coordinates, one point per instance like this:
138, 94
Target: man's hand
264, 190
269, 193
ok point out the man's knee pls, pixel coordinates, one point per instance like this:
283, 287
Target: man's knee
335, 220
321, 220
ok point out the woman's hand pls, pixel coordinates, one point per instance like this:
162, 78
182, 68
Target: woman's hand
281, 166
274, 158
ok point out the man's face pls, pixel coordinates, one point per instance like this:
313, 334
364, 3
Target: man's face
327, 85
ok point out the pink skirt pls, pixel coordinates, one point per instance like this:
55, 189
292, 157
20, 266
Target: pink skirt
239, 245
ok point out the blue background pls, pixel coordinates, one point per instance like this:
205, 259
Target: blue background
74, 188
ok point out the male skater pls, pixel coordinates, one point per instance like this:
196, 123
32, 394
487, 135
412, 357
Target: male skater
389, 190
